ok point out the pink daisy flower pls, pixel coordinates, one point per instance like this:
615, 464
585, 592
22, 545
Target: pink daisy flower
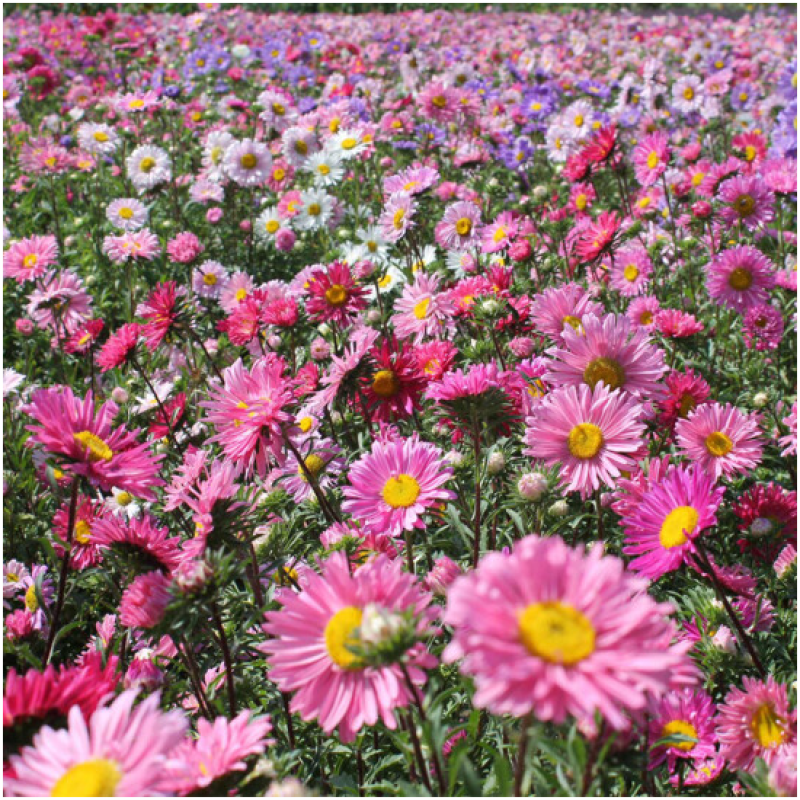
558, 632
249, 411
422, 310
630, 274
499, 234
236, 290
394, 484
140, 535
641, 312
740, 278
322, 459
608, 351
397, 216
789, 441
84, 551
763, 327
160, 312
674, 324
120, 346
144, 600
414, 180
690, 714
334, 295
593, 434
747, 201
459, 227
142, 244
668, 519
756, 723
122, 751
60, 302
30, 258
651, 157
315, 631
720, 439
565, 305
438, 102
87, 445
685, 391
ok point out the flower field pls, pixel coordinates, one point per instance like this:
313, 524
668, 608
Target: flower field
399, 404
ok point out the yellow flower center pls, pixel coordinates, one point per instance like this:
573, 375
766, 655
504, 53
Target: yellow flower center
740, 279
278, 108
341, 632
324, 169
314, 464
687, 404
314, 209
718, 444
410, 185
644, 202
398, 218
464, 226
440, 101
30, 261
98, 450
286, 576
83, 531
216, 154
100, 136
241, 294
12, 577
305, 424
652, 160
248, 161
136, 103
210, 279
421, 308
743, 96
124, 498
688, 93
767, 727
278, 174
631, 272
336, 295
744, 205
147, 164
604, 369
95, 778
385, 383
585, 440
682, 728
31, 601
679, 522
749, 152
385, 281
556, 632
125, 212
401, 491
578, 120
573, 322
349, 143
581, 202
500, 234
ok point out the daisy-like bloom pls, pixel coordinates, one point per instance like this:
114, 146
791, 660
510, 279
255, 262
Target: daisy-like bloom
148, 166
685, 391
459, 228
144, 600
347, 144
581, 633
786, 559
688, 94
397, 216
248, 412
438, 102
675, 324
395, 483
119, 347
84, 552
641, 312
141, 244
334, 295
720, 439
298, 143
747, 201
435, 358
789, 442
414, 180
630, 274
247, 162
209, 279
268, 225
690, 714
499, 234
14, 573
82, 339
669, 517
756, 723
592, 433
137, 102
221, 747
237, 289
740, 278
422, 310
160, 311
608, 351
322, 459
597, 237
30, 258
317, 210
86, 444
122, 751
140, 535
566, 305
97, 138
651, 157
12, 381
763, 327
393, 389
313, 636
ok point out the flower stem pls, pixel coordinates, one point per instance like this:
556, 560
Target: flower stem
226, 658
477, 526
522, 753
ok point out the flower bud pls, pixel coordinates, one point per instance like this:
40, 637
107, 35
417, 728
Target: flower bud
444, 572
559, 508
760, 399
119, 395
496, 463
192, 575
532, 486
378, 624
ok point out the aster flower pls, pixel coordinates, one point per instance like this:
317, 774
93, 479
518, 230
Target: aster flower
756, 723
247, 162
789, 442
209, 279
394, 387
121, 751
675, 324
685, 391
395, 483
650, 158
397, 216
597, 238
150, 542
160, 312
582, 634
608, 351
499, 234
674, 512
740, 278
144, 600
630, 274
322, 459
30, 258
459, 227
148, 166
414, 180
785, 561
60, 302
335, 295
119, 347
86, 444
314, 635
84, 551
136, 245
82, 339
763, 327
720, 439
565, 305
421, 310
747, 201
689, 714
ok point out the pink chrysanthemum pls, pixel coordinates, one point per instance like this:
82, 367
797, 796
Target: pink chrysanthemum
565, 305
685, 391
740, 278
689, 714
395, 385
414, 180
668, 519
499, 234
557, 632
322, 459
597, 237
641, 312
393, 485
675, 324
142, 244
631, 272
249, 411
121, 345
84, 336
593, 434
60, 302
87, 445
608, 351
763, 327
721, 439
84, 552
651, 157
435, 358
397, 216
747, 201
144, 601
459, 227
122, 751
756, 723
141, 535
160, 311
313, 634
422, 310
30, 258
334, 295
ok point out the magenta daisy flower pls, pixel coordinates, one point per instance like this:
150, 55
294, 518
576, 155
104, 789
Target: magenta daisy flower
84, 551
160, 312
334, 295
631, 271
593, 434
311, 652
689, 714
322, 459
422, 310
87, 445
669, 517
121, 345
651, 157
747, 201
557, 632
459, 227
394, 484
720, 439
565, 305
30, 258
608, 351
397, 216
144, 600
140, 535
122, 751
248, 412
740, 278
757, 723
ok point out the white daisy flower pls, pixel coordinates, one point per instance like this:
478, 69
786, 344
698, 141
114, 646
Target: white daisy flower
99, 139
148, 166
247, 162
